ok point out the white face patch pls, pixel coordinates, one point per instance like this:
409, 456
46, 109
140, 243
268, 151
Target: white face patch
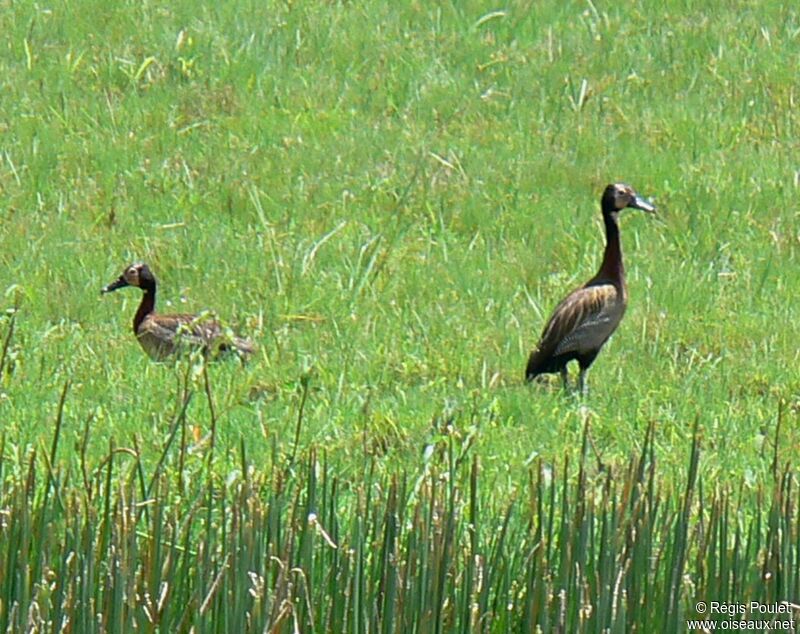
131, 275
622, 196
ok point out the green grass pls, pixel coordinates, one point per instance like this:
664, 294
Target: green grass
390, 198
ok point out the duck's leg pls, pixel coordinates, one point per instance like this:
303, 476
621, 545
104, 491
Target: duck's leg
564, 378
582, 382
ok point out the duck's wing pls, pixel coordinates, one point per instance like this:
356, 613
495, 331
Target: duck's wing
583, 319
167, 333
162, 335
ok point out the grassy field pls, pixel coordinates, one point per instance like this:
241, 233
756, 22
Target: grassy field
389, 198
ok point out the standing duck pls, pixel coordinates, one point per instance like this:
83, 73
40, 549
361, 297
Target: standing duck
163, 335
587, 317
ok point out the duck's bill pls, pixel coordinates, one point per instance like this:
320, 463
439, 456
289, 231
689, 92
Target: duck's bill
641, 203
118, 283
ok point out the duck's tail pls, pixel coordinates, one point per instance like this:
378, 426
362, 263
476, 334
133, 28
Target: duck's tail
243, 346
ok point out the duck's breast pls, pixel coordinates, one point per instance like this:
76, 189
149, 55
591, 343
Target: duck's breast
156, 339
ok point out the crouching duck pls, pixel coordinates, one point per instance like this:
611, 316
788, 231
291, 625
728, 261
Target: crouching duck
162, 336
587, 317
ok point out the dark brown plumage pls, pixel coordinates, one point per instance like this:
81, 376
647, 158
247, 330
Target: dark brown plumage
161, 336
587, 317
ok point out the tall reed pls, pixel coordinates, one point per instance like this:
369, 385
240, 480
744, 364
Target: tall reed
582, 549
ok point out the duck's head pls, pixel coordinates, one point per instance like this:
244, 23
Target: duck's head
137, 274
618, 196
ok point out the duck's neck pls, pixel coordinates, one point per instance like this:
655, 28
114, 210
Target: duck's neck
612, 269
146, 306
